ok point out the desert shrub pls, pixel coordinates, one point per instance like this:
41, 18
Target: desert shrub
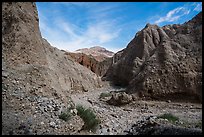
169, 117
90, 120
102, 95
65, 116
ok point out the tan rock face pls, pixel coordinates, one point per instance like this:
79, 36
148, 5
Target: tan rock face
163, 62
22, 42
23, 46
98, 67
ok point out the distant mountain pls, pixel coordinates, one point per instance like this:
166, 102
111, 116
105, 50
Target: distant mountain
99, 53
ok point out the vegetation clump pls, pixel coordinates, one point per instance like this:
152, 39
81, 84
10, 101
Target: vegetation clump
65, 116
170, 117
90, 120
103, 95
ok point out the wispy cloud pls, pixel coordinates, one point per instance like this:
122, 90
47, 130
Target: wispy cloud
178, 12
198, 7
98, 32
173, 15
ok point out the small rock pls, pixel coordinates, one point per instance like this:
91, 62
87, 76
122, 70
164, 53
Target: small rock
13, 81
166, 120
89, 101
126, 109
56, 108
168, 101
85, 90
28, 131
109, 129
45, 110
42, 109
152, 121
175, 87
52, 124
114, 115
5, 75
74, 111
49, 106
30, 121
104, 131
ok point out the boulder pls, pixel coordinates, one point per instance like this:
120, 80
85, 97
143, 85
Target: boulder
118, 99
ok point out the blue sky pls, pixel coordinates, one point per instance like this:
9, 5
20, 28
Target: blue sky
74, 25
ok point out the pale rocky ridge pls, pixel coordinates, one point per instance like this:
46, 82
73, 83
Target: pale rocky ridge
99, 53
162, 62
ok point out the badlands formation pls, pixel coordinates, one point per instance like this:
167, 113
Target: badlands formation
153, 86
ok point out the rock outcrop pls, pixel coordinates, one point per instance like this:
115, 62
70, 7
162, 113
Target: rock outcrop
162, 62
24, 49
97, 59
119, 99
33, 70
152, 126
98, 67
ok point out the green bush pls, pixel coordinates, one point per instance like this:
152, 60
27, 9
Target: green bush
198, 124
169, 117
102, 95
65, 116
89, 118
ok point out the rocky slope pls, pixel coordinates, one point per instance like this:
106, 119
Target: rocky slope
162, 62
99, 53
98, 67
37, 78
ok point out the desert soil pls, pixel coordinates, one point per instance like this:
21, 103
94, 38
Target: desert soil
119, 119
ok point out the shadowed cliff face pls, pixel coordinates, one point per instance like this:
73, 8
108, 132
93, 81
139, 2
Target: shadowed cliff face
163, 62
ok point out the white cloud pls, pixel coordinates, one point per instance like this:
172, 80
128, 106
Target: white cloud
75, 38
198, 7
78, 4
173, 15
68, 36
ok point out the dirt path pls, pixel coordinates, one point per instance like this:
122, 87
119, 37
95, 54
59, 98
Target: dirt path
115, 120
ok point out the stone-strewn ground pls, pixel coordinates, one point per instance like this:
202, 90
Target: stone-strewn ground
118, 119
